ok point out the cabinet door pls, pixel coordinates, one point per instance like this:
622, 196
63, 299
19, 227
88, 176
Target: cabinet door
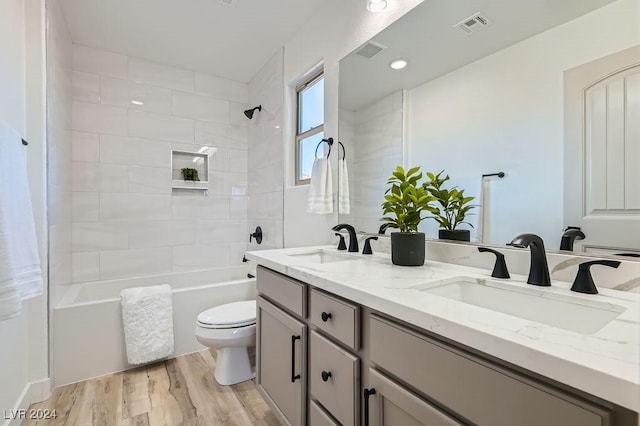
390, 404
281, 362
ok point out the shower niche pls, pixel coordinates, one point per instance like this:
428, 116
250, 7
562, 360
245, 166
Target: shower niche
189, 172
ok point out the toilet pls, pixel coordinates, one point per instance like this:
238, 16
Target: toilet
231, 329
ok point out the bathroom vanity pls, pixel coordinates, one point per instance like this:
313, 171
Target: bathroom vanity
352, 340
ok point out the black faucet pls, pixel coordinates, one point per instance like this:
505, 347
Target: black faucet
584, 281
353, 240
539, 269
500, 267
383, 228
571, 234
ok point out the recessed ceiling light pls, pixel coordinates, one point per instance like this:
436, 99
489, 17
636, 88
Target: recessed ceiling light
137, 102
398, 64
375, 6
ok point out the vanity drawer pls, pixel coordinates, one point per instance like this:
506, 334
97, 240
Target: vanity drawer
285, 291
475, 389
337, 318
334, 377
318, 417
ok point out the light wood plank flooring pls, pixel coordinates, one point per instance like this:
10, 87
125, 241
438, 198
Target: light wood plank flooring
180, 391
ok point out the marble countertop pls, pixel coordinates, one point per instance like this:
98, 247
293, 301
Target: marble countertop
605, 363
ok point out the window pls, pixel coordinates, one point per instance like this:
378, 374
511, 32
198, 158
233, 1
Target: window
310, 125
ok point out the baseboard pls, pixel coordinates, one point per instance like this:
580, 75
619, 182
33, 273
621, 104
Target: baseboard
33, 392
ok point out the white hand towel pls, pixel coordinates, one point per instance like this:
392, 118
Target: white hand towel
344, 204
321, 188
20, 273
147, 314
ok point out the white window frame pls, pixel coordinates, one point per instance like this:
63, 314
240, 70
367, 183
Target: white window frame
313, 131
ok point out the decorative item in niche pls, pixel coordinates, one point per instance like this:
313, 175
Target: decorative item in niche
451, 210
404, 203
190, 174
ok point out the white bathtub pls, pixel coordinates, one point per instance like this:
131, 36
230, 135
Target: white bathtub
88, 337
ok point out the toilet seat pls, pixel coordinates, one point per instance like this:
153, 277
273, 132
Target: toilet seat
230, 315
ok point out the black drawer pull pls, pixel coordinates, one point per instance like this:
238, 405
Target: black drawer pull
326, 375
294, 376
325, 316
367, 394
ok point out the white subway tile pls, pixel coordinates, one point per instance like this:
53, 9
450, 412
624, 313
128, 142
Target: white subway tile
161, 75
200, 107
95, 177
237, 160
217, 134
187, 207
214, 208
85, 207
85, 147
95, 118
200, 256
236, 114
132, 95
149, 180
122, 207
238, 208
161, 127
86, 87
85, 267
221, 231
134, 151
89, 236
127, 263
221, 88
144, 234
98, 61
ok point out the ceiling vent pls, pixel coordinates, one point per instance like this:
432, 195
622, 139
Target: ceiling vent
370, 49
473, 23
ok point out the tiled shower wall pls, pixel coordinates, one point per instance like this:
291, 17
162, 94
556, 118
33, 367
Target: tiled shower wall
374, 150
266, 156
59, 60
128, 115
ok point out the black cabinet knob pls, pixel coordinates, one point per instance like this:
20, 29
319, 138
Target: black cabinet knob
325, 316
325, 376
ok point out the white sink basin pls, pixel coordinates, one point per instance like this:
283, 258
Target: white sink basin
320, 256
535, 304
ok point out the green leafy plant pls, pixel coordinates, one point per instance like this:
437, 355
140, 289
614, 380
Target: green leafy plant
190, 174
405, 200
452, 206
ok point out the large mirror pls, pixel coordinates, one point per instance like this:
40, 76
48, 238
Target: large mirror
484, 92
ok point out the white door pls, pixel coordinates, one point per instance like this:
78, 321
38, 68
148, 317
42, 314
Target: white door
602, 152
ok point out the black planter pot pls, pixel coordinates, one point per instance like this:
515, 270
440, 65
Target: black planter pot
456, 234
407, 248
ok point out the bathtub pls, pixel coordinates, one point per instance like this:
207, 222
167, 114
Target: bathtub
88, 336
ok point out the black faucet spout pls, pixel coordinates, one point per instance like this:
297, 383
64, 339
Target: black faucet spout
539, 269
353, 240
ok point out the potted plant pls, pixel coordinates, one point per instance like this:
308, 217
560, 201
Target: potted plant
451, 208
190, 174
404, 203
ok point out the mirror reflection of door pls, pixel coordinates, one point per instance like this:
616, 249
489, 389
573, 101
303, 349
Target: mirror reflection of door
602, 132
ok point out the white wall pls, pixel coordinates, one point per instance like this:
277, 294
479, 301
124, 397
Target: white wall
505, 113
337, 29
266, 168
127, 220
23, 358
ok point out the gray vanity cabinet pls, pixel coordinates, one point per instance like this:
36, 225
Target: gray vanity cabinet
388, 404
281, 362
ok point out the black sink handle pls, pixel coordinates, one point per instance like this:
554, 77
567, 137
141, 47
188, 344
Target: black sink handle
584, 281
500, 267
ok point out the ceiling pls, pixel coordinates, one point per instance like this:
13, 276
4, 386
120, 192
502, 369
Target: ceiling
231, 41
426, 37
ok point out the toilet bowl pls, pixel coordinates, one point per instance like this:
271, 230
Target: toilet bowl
231, 330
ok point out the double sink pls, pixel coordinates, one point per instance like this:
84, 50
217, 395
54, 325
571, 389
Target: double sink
580, 314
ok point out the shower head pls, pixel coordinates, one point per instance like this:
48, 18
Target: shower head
249, 112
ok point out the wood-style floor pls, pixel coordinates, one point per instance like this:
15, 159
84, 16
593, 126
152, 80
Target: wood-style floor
180, 391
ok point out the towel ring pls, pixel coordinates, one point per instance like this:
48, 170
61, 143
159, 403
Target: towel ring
329, 141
